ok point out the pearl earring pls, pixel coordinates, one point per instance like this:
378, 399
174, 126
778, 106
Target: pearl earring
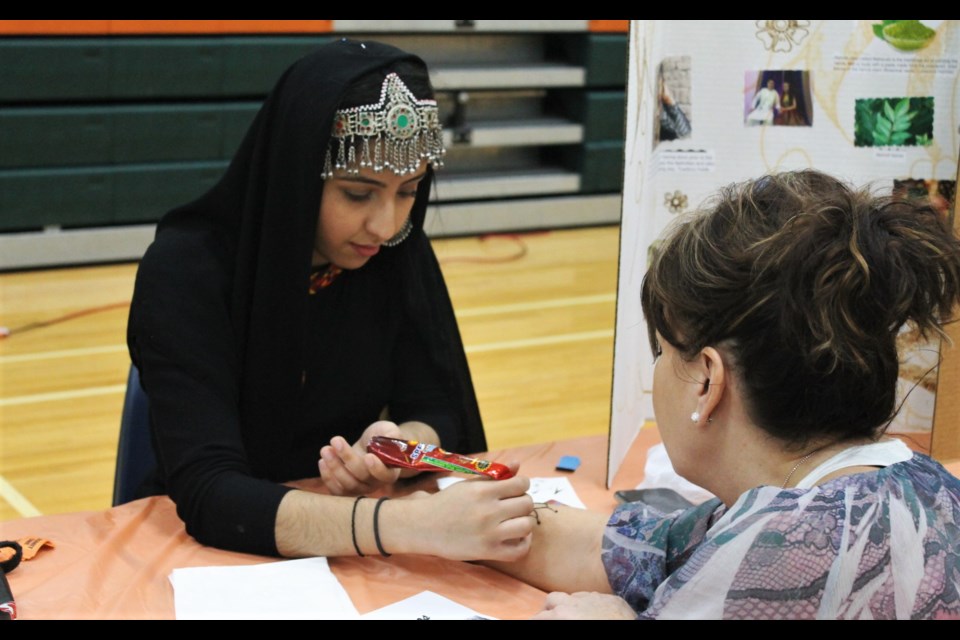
695, 416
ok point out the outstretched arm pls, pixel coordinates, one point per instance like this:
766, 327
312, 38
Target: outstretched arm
473, 520
564, 552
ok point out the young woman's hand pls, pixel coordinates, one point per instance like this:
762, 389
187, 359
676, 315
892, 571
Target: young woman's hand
349, 470
478, 519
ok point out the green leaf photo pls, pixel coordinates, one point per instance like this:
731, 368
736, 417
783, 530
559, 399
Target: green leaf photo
893, 122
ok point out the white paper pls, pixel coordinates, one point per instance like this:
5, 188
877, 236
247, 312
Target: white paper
288, 590
426, 605
659, 473
541, 490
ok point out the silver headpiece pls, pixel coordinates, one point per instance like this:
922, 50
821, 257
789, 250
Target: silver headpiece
396, 133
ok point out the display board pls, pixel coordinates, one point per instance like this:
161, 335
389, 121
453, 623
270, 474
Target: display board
873, 102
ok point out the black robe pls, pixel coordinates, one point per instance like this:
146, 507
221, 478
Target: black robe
248, 375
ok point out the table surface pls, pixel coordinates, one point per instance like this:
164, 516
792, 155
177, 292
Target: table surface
116, 563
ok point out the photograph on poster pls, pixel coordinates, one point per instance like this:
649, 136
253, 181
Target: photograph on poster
893, 122
914, 47
778, 97
940, 193
904, 35
673, 113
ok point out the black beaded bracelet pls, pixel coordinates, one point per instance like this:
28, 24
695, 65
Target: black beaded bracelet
376, 527
353, 525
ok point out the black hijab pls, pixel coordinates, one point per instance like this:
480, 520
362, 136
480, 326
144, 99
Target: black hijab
248, 243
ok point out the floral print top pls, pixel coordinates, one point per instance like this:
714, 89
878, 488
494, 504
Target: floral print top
876, 545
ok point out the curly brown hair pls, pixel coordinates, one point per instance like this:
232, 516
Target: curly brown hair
804, 283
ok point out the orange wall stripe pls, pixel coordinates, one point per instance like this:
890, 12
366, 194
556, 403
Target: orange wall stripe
166, 27
619, 26
186, 27
54, 27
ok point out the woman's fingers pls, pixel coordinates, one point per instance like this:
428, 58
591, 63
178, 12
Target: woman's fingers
349, 456
484, 519
379, 471
337, 475
515, 486
518, 526
331, 480
354, 463
350, 470
512, 549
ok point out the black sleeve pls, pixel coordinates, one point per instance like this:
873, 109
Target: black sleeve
180, 338
420, 391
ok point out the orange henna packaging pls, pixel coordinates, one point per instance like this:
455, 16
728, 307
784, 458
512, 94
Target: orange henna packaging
411, 454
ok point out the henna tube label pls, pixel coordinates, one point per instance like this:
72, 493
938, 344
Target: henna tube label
411, 454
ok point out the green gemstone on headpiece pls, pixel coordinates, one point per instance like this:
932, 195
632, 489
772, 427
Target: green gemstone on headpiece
395, 133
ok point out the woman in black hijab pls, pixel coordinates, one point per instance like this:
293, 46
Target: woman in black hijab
295, 304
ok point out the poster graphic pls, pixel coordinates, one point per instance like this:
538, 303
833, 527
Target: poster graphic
872, 102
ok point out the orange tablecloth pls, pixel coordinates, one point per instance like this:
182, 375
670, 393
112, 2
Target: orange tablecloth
116, 563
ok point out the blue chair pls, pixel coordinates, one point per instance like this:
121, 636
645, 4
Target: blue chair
135, 455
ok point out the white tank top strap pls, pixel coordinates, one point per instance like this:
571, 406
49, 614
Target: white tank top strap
877, 454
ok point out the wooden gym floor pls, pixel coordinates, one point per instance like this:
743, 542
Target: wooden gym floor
538, 330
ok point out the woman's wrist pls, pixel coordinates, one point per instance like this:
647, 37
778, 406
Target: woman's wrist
402, 528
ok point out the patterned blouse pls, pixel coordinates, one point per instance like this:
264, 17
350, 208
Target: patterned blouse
876, 545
